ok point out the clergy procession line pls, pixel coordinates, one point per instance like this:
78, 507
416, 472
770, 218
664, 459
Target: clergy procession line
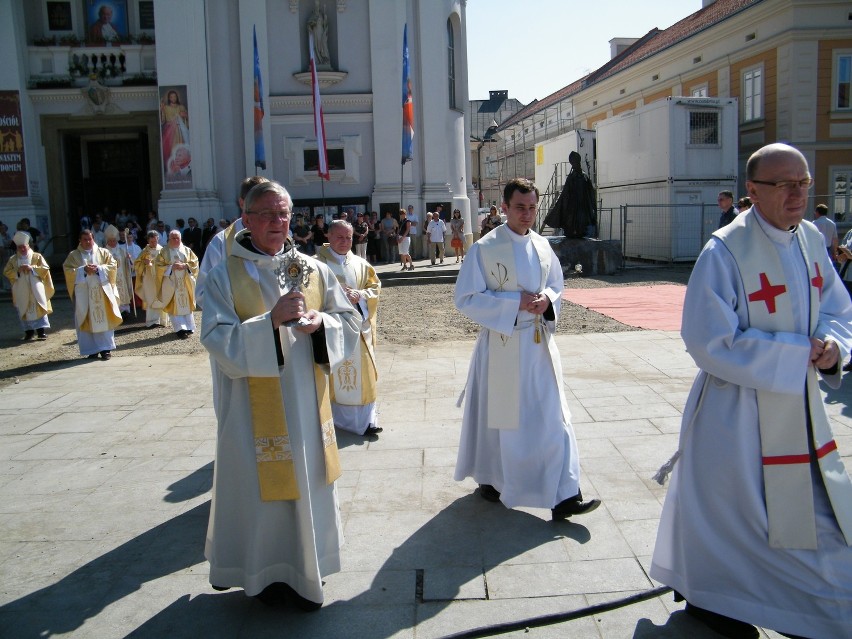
756, 528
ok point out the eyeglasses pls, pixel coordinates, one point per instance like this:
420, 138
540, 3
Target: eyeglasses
271, 215
788, 185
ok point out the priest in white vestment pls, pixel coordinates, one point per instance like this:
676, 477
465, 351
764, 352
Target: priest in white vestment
177, 268
274, 326
146, 282
32, 287
757, 523
90, 278
353, 383
517, 441
123, 270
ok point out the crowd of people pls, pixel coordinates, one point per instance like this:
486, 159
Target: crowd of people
757, 523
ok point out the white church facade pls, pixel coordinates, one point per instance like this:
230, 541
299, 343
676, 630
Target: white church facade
148, 105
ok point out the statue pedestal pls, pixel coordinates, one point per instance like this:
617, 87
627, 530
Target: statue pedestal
325, 78
596, 257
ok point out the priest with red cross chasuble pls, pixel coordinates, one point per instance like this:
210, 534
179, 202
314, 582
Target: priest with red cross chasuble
757, 523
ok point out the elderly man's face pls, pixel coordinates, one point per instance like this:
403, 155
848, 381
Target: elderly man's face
112, 242
783, 208
23, 249
269, 222
174, 239
340, 239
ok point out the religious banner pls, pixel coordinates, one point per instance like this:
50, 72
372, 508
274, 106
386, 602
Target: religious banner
106, 21
13, 169
174, 138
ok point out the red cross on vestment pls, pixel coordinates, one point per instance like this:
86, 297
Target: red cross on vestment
767, 293
817, 279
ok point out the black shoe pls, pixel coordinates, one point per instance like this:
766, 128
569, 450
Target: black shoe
275, 594
41, 335
299, 601
574, 506
220, 588
105, 355
92, 356
29, 336
725, 626
372, 431
489, 493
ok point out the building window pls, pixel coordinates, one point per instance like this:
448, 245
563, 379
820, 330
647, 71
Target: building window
752, 94
451, 63
703, 128
841, 183
700, 91
843, 81
336, 161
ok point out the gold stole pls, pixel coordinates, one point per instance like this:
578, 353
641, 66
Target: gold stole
504, 354
784, 442
351, 386
122, 274
276, 472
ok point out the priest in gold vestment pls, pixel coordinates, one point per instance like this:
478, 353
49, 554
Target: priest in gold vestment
146, 282
177, 270
123, 270
90, 277
32, 287
353, 383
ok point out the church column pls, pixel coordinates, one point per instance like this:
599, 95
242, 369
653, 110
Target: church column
181, 35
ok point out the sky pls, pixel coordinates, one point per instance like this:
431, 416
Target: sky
533, 48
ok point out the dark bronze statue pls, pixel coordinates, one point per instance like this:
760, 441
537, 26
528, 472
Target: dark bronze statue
576, 211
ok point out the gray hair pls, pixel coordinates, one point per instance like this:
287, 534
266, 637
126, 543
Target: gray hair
339, 223
259, 190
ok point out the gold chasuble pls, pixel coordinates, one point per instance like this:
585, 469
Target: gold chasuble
146, 278
96, 306
354, 380
498, 259
31, 292
273, 454
787, 451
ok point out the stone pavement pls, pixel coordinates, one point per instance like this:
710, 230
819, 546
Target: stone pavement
106, 468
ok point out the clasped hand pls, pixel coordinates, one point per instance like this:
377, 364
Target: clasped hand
292, 307
535, 303
824, 354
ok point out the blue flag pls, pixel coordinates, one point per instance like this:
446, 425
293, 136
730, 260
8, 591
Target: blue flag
407, 103
259, 151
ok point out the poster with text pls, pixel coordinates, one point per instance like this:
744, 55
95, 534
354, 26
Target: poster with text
174, 138
13, 168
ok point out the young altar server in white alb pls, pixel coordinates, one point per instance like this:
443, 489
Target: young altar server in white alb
517, 442
353, 383
275, 527
32, 287
90, 278
757, 523
177, 269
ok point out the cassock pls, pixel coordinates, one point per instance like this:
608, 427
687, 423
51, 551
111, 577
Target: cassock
146, 286
177, 286
31, 292
516, 432
96, 311
715, 543
353, 383
253, 542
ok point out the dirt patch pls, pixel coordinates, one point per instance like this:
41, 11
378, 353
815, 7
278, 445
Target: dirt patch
413, 314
